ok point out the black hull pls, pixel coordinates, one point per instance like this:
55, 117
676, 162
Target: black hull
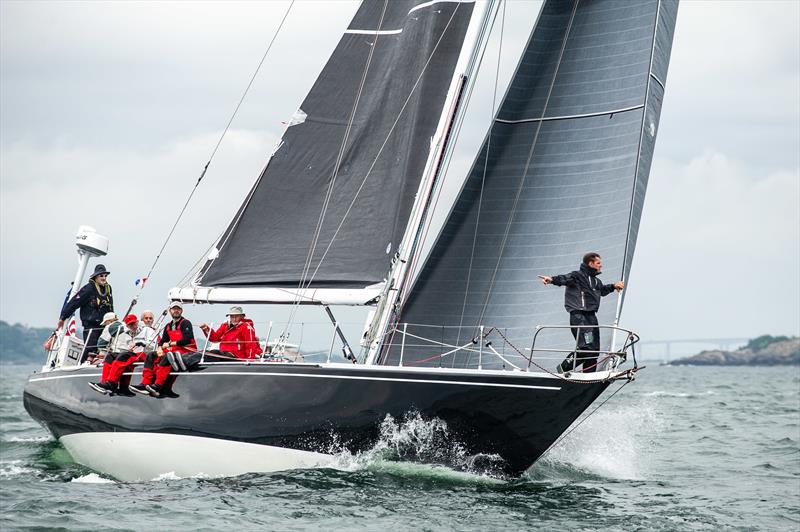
515, 415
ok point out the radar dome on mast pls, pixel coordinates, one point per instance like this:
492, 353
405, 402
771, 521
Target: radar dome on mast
90, 242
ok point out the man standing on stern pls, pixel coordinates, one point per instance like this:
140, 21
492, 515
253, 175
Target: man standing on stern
582, 301
95, 300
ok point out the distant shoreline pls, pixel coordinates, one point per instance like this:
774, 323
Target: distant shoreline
761, 351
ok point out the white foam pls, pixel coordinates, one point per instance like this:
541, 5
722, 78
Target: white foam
411, 446
612, 443
92, 478
166, 476
19, 439
661, 393
12, 468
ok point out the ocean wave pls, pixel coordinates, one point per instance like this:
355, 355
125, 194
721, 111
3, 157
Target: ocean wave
22, 439
92, 478
166, 476
662, 393
13, 468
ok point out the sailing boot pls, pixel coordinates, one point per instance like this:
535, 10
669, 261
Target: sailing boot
155, 390
567, 364
105, 388
141, 389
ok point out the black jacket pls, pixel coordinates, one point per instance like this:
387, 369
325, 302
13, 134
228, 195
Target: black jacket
92, 301
584, 289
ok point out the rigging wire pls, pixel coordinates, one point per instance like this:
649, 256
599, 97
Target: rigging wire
528, 163
386, 140
483, 177
337, 165
211, 157
437, 194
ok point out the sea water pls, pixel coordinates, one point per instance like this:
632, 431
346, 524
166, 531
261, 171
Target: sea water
680, 448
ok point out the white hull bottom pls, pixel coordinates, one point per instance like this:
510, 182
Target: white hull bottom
138, 456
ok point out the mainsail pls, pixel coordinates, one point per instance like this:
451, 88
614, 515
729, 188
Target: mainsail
563, 171
333, 202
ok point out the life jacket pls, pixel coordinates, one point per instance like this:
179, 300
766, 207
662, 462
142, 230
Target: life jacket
103, 299
174, 334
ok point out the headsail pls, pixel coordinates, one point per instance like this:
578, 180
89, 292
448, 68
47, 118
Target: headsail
563, 171
349, 165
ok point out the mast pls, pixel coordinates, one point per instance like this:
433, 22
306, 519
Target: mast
463, 78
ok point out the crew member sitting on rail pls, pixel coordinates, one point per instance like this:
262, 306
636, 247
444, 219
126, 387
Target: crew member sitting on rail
582, 301
113, 329
127, 348
175, 341
236, 337
146, 337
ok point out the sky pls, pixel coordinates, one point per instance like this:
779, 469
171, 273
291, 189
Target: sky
109, 111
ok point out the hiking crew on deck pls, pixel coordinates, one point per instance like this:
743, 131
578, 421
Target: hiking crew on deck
582, 301
176, 339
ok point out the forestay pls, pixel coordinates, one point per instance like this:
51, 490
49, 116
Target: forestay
350, 162
563, 171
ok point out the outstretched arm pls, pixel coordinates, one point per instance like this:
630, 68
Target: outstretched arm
558, 280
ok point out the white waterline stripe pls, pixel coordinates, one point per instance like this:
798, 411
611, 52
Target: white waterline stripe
432, 2
374, 32
567, 117
311, 375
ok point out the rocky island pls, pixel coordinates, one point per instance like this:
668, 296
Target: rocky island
762, 351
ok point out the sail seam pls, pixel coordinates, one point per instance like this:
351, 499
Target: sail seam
374, 32
569, 117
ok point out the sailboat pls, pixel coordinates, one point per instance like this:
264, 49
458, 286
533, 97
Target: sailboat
351, 209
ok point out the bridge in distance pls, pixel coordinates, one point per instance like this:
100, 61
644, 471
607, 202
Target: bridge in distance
667, 350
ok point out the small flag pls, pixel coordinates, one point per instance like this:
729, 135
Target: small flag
141, 281
71, 327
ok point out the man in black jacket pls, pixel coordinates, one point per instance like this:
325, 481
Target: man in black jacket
582, 300
95, 300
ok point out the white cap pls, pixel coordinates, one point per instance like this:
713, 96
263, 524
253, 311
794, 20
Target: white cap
109, 316
176, 304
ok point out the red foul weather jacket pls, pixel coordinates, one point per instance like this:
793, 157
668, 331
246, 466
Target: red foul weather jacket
239, 339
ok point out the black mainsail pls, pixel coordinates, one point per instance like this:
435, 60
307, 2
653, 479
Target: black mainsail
562, 171
344, 179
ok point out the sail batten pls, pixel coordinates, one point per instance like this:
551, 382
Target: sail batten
333, 202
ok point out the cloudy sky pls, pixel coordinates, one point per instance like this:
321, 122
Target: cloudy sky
108, 112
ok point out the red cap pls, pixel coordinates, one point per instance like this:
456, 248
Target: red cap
130, 318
